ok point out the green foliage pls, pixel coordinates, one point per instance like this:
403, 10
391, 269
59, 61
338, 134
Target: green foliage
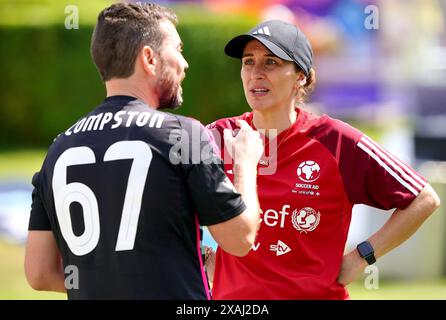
212, 88
48, 12
49, 80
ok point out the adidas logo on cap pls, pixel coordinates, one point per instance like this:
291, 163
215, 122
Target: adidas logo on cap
264, 30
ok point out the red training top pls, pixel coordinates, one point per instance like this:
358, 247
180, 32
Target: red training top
324, 167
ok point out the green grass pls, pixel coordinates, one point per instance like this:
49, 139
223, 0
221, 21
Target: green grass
20, 164
13, 285
434, 289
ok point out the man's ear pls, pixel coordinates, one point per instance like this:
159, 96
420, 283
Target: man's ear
148, 59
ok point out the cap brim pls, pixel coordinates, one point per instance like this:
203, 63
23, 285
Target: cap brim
235, 47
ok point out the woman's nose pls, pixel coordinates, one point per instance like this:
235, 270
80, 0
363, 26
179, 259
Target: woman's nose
257, 72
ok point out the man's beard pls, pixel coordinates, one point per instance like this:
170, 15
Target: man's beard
170, 93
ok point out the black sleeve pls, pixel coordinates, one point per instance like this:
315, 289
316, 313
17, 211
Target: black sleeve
212, 192
38, 219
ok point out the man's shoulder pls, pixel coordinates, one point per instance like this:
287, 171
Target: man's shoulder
185, 122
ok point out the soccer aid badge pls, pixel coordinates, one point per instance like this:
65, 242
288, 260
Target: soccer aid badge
308, 171
305, 219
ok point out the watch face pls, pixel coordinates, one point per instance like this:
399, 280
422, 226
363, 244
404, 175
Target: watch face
365, 249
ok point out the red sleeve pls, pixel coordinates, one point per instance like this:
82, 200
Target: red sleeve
216, 128
217, 134
371, 174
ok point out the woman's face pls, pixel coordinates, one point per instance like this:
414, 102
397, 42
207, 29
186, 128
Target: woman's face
268, 81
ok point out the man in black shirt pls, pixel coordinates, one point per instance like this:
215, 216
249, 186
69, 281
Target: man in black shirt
122, 192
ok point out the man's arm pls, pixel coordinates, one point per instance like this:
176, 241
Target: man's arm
43, 262
237, 235
401, 226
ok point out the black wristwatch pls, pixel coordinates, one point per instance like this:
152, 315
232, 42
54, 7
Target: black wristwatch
366, 251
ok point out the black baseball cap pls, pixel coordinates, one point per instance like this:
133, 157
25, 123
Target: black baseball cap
283, 39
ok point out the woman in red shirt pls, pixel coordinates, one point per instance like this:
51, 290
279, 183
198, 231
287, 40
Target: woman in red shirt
314, 170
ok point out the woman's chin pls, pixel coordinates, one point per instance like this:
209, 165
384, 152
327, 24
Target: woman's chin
260, 107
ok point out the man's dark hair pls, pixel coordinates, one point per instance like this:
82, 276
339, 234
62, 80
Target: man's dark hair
121, 31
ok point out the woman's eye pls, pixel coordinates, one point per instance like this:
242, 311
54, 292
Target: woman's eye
248, 62
271, 61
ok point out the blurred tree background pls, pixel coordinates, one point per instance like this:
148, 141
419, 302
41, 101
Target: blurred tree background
49, 79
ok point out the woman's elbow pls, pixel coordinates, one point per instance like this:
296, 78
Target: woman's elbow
435, 202
422, 207
430, 200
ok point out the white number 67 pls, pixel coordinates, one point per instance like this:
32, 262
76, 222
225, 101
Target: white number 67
65, 194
